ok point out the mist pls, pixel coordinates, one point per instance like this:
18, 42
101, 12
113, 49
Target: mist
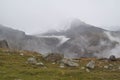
114, 50
38, 16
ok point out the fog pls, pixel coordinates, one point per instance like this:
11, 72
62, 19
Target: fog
114, 51
37, 16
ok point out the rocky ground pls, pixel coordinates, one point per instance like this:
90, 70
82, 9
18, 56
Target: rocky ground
25, 65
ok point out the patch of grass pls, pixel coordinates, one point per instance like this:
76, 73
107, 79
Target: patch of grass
13, 66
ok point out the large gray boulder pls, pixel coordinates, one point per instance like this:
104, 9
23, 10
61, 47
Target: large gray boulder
3, 44
91, 65
32, 60
54, 57
112, 58
70, 63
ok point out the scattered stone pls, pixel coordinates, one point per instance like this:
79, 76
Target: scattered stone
106, 67
32, 60
39, 64
70, 63
91, 65
17, 79
110, 65
112, 58
62, 65
82, 68
53, 63
87, 70
21, 54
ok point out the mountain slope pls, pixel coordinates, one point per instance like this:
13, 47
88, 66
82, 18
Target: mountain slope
84, 40
14, 38
79, 40
20, 41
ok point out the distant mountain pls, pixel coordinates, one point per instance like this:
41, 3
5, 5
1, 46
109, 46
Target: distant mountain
85, 40
78, 40
19, 40
15, 38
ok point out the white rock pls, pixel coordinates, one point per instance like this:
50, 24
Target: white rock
53, 63
82, 67
32, 60
87, 70
106, 67
39, 64
91, 64
61, 65
70, 63
21, 54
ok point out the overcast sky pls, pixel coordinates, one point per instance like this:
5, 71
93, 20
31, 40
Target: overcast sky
36, 16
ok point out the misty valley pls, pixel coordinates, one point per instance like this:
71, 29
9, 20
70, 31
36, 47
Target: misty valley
59, 40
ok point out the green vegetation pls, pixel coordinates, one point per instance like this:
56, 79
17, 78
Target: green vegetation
13, 66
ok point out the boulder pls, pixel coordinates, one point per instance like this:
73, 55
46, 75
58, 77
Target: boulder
3, 44
87, 70
82, 68
91, 64
21, 54
106, 67
54, 57
70, 63
62, 65
39, 64
32, 60
112, 58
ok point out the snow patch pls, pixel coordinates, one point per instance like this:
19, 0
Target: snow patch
112, 38
62, 39
116, 50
